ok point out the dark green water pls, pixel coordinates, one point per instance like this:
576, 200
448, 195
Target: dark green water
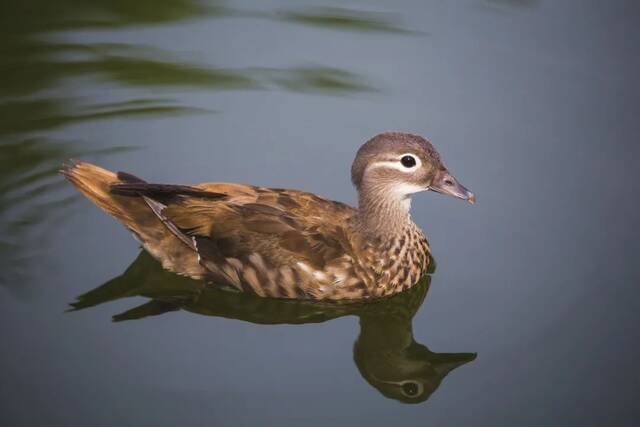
531, 316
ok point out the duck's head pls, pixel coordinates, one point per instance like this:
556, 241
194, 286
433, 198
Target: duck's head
399, 164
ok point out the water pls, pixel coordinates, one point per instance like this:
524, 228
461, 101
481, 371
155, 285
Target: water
530, 317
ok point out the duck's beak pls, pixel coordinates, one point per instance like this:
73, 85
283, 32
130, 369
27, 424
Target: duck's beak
445, 183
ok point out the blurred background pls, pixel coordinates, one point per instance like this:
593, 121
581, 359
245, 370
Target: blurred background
533, 105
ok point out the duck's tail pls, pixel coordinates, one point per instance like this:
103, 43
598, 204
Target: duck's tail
96, 183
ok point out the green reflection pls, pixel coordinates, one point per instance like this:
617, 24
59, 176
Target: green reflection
344, 19
385, 352
33, 66
32, 200
315, 79
46, 69
513, 3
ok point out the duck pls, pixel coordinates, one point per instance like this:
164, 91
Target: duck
284, 243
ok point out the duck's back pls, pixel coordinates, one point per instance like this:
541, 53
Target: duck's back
273, 242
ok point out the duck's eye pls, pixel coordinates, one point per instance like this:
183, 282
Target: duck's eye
408, 161
410, 388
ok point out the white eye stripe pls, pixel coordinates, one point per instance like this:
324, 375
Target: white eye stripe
397, 164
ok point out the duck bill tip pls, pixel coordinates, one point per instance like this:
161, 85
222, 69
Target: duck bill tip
472, 199
445, 183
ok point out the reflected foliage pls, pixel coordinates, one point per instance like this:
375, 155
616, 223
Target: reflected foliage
315, 80
34, 65
385, 352
513, 3
345, 19
29, 116
80, 14
45, 69
31, 200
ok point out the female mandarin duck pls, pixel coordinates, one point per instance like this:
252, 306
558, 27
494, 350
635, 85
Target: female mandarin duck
287, 243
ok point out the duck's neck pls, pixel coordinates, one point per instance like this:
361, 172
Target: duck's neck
383, 215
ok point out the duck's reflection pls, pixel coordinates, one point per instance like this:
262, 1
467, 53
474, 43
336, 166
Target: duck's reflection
385, 352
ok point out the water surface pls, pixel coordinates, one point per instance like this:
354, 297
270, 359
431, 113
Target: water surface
530, 317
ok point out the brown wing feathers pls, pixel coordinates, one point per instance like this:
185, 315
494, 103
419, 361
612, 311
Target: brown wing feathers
157, 208
250, 237
257, 246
